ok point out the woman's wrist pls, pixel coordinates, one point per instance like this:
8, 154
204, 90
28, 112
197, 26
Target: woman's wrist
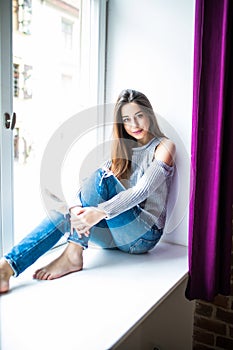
74, 209
103, 213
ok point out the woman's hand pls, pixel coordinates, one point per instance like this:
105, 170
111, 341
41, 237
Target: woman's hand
82, 219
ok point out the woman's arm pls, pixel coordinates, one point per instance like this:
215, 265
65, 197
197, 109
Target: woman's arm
154, 176
165, 152
162, 166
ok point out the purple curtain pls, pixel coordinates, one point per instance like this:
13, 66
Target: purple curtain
210, 219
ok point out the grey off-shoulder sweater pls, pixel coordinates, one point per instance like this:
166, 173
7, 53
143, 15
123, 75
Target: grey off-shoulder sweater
148, 186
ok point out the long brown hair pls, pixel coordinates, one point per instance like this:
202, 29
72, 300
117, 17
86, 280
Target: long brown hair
122, 141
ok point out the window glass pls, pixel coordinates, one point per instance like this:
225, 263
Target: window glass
46, 85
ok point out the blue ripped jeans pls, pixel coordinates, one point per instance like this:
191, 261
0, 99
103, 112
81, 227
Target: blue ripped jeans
129, 231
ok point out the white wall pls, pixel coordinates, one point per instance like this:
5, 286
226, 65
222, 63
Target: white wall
168, 326
150, 49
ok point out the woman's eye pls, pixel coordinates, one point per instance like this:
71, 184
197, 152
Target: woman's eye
125, 120
140, 115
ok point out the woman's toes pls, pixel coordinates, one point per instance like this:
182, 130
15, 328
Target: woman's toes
39, 274
35, 274
5, 274
4, 286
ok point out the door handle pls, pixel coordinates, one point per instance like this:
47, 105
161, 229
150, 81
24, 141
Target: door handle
7, 120
13, 121
10, 121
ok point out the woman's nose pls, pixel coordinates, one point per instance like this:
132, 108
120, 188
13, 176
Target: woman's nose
134, 122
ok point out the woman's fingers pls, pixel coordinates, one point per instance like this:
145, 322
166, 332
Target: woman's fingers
85, 219
80, 228
80, 225
87, 233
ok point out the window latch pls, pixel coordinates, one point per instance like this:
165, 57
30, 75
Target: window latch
10, 121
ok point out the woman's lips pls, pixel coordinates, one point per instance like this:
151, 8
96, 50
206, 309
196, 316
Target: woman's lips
138, 132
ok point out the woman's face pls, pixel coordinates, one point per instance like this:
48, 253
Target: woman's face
136, 123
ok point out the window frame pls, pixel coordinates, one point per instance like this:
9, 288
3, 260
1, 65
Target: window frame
93, 62
6, 139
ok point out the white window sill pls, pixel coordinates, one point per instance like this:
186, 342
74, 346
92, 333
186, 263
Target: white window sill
91, 309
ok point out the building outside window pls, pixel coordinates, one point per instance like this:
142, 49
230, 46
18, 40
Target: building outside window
67, 34
24, 15
16, 80
27, 81
22, 81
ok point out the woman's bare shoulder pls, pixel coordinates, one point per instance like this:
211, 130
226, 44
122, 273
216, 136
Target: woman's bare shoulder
166, 151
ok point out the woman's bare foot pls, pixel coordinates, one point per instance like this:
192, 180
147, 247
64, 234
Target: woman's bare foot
71, 260
5, 274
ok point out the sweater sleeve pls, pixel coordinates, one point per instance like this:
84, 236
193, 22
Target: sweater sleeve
153, 177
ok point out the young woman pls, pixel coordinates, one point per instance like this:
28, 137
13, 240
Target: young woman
122, 205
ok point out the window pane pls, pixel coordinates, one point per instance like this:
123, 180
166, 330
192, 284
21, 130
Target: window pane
46, 57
